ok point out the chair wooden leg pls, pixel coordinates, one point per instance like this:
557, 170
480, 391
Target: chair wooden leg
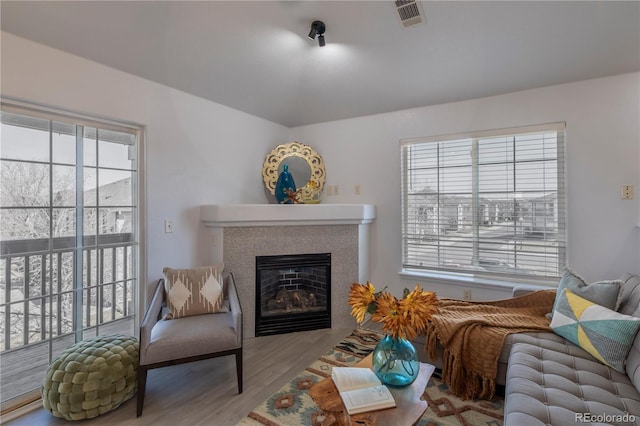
239, 369
142, 383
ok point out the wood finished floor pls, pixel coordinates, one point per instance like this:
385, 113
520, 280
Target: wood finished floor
205, 392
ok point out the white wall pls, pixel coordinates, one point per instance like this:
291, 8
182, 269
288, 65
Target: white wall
201, 152
603, 152
197, 152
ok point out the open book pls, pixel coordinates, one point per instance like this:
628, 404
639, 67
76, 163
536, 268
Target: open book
361, 390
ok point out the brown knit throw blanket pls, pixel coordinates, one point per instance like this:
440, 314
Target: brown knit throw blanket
472, 335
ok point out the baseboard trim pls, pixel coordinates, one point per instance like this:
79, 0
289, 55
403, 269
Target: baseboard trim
21, 411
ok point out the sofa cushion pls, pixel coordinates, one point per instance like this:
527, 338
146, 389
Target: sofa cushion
629, 300
630, 305
605, 334
503, 360
193, 291
604, 293
551, 381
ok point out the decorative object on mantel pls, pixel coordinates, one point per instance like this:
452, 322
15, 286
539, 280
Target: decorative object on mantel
310, 193
305, 166
286, 187
291, 197
395, 361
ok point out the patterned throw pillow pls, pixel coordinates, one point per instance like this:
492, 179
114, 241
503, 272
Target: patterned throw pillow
193, 291
604, 293
605, 334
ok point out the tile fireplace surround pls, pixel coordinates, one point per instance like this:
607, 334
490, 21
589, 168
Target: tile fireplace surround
240, 232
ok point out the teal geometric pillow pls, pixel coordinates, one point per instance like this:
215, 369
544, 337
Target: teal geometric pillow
607, 335
604, 293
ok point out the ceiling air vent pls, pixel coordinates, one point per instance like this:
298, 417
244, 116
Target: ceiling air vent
410, 13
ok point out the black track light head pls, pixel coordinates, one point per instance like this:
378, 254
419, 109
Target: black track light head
318, 28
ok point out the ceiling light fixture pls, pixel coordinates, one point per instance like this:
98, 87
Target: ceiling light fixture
317, 28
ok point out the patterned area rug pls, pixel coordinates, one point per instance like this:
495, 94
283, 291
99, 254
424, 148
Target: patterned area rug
292, 405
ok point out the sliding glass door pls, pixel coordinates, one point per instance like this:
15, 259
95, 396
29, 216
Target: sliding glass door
68, 236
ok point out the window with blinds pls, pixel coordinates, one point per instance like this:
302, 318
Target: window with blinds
485, 203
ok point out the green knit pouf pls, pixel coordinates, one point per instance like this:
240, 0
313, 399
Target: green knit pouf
92, 377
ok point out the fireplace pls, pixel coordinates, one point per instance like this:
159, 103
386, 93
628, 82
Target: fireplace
293, 293
236, 233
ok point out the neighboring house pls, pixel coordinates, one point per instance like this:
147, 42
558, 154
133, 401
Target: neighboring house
115, 201
543, 214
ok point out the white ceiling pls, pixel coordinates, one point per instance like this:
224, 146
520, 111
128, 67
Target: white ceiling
256, 57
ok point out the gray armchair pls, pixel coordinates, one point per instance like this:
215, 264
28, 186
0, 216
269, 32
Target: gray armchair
193, 338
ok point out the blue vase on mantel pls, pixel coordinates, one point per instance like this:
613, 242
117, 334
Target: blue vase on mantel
395, 361
284, 183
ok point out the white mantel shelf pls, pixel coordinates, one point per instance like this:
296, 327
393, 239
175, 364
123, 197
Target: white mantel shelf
233, 215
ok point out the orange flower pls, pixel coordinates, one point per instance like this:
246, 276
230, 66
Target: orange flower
419, 305
403, 318
389, 313
360, 298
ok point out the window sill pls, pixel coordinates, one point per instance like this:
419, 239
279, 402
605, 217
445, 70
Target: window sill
486, 282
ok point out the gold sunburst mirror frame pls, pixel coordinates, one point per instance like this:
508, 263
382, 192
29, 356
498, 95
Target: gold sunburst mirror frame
305, 165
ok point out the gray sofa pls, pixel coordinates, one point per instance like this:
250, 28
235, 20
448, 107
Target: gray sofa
550, 381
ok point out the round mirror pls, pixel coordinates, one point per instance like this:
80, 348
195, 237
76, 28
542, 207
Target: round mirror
299, 169
305, 165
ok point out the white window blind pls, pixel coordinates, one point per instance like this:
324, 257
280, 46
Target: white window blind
485, 203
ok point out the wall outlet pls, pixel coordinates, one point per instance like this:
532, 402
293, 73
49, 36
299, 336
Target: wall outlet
335, 190
467, 294
329, 190
356, 189
168, 226
627, 192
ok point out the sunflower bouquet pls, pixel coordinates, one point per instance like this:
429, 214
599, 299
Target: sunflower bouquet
401, 318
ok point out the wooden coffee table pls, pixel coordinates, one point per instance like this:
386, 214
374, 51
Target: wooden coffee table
409, 405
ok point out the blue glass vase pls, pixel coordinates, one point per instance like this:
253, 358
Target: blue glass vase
284, 184
395, 361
